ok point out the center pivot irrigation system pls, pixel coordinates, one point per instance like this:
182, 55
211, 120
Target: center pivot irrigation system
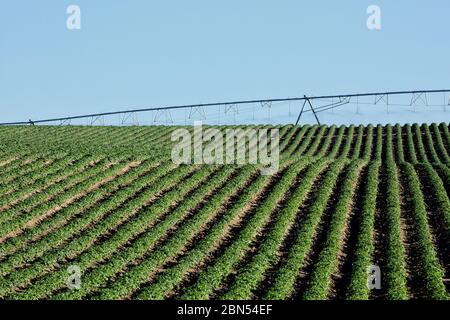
307, 104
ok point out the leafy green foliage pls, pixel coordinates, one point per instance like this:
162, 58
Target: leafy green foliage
110, 201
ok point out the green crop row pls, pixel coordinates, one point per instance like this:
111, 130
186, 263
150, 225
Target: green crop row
439, 143
430, 269
98, 277
110, 201
135, 278
364, 248
318, 286
422, 155
39, 170
358, 143
348, 142
395, 270
75, 176
378, 144
327, 142
86, 243
283, 283
88, 211
21, 167
211, 278
14, 220
400, 156
368, 143
56, 174
337, 143
287, 140
412, 157
445, 134
430, 144
297, 140
306, 141
171, 278
440, 196
316, 142
252, 274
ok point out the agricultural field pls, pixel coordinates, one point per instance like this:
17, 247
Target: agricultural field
110, 201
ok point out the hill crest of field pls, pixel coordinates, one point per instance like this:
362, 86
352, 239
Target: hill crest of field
110, 203
321, 141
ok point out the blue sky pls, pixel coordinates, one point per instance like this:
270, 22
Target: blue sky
142, 53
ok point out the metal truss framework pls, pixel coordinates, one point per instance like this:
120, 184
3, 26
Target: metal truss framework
231, 108
419, 98
199, 110
65, 122
95, 119
129, 119
163, 116
310, 104
266, 104
307, 101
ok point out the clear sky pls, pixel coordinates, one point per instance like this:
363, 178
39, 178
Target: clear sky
143, 53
